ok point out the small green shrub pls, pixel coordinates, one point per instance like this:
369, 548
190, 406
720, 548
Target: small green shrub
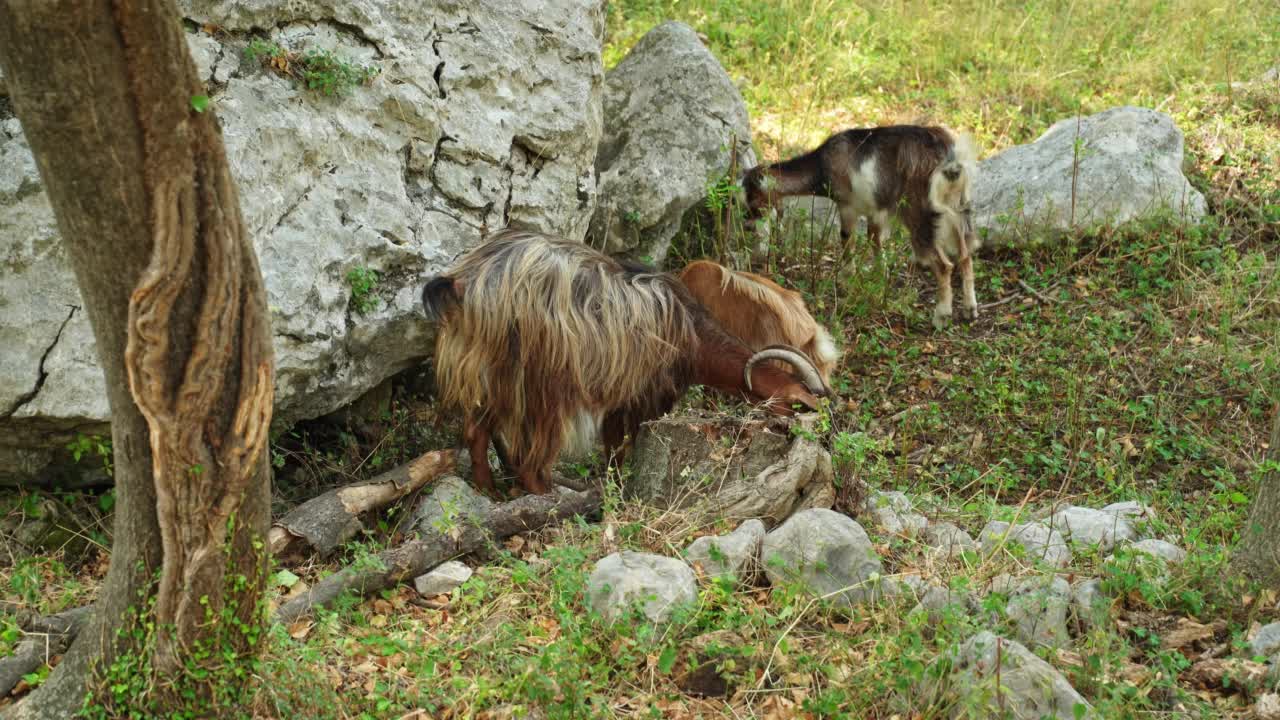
363, 282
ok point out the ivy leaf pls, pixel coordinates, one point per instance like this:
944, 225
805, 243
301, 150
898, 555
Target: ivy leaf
199, 102
284, 578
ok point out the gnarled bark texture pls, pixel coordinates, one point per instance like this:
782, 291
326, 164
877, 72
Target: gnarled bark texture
151, 221
1259, 551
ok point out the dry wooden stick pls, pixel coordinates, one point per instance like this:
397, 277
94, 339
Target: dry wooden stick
434, 547
323, 523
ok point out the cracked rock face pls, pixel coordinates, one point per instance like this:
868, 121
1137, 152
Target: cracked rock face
484, 114
671, 115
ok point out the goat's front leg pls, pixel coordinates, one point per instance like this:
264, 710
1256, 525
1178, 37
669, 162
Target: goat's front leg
536, 481
613, 432
970, 299
942, 309
477, 435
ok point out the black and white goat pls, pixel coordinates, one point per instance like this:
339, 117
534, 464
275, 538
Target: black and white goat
921, 174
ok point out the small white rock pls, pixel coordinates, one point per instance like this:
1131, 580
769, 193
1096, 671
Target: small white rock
442, 580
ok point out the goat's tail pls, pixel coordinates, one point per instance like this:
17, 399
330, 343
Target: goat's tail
439, 296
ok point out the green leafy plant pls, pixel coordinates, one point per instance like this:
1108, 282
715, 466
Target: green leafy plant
363, 282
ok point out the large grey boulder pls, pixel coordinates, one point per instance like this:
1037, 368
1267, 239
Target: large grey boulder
671, 118
1092, 528
826, 552
999, 678
730, 557
661, 585
1038, 542
1126, 162
729, 468
484, 114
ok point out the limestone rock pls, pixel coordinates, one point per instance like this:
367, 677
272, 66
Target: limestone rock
484, 114
1138, 514
671, 116
1041, 543
826, 552
1088, 603
947, 541
1002, 678
1162, 549
732, 556
1267, 641
894, 513
1127, 163
937, 602
659, 584
1038, 609
1092, 528
442, 580
452, 502
729, 468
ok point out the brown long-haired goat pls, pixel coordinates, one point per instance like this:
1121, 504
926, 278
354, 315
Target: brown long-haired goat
921, 174
760, 312
542, 338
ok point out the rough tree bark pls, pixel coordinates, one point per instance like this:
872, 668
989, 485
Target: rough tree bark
151, 224
1259, 551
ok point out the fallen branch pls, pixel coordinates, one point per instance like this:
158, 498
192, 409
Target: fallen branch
434, 547
323, 523
45, 638
1039, 295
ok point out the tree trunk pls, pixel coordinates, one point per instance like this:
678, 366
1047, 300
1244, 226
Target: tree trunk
1259, 551
151, 224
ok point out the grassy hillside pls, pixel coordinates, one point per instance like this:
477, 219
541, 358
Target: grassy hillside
1146, 371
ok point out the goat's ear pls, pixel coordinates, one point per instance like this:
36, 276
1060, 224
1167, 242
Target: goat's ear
440, 295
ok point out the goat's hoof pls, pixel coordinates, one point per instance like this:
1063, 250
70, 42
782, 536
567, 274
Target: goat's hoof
941, 317
969, 313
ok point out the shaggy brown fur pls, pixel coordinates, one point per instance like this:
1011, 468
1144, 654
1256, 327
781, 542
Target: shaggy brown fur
760, 312
541, 337
906, 170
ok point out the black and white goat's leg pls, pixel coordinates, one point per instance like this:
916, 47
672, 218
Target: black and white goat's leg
848, 223
942, 308
877, 232
969, 245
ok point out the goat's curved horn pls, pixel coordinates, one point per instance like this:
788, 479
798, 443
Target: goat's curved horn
809, 374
